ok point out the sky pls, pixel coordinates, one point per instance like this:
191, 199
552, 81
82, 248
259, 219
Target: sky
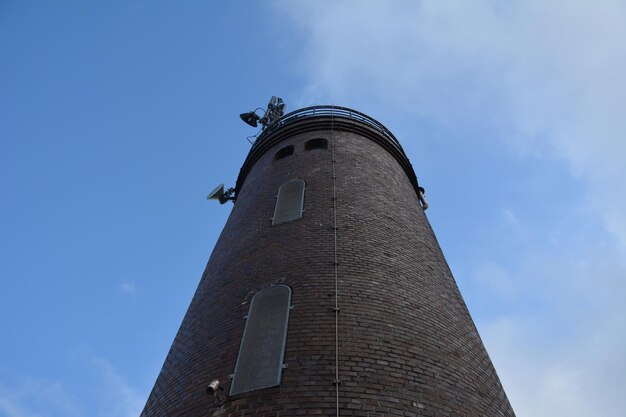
117, 118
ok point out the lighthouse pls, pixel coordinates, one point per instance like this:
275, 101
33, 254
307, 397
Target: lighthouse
327, 293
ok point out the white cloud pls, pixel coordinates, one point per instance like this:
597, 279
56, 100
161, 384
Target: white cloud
550, 77
10, 408
119, 398
127, 287
547, 79
37, 397
558, 347
41, 397
495, 279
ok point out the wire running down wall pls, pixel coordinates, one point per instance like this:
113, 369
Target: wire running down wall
378, 325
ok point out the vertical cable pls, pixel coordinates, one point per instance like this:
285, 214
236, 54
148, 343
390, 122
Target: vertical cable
335, 261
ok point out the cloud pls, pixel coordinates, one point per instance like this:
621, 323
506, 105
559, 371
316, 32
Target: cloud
119, 398
549, 77
43, 397
546, 80
495, 279
558, 341
37, 397
127, 287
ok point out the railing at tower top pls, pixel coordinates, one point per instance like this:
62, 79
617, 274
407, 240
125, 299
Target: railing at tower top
379, 134
327, 111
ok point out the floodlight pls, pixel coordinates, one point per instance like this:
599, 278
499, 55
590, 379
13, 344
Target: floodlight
250, 118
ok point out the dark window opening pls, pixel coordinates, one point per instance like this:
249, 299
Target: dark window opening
289, 202
261, 354
286, 151
317, 143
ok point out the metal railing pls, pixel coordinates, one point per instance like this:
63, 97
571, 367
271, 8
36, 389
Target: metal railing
327, 111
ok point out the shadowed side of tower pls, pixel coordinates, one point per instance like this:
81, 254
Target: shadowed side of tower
401, 341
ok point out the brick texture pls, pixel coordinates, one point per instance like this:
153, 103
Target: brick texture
407, 344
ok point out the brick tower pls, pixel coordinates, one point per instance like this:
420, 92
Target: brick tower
327, 292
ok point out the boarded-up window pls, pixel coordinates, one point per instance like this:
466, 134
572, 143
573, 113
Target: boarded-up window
260, 360
290, 202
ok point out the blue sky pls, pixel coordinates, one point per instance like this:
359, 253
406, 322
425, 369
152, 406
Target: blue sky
117, 118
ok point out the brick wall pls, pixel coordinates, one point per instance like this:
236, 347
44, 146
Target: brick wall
407, 345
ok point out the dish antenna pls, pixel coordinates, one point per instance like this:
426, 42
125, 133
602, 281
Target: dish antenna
219, 194
275, 110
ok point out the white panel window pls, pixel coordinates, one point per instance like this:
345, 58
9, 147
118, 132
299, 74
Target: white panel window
290, 202
262, 350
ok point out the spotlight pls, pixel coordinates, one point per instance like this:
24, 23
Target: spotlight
250, 118
215, 389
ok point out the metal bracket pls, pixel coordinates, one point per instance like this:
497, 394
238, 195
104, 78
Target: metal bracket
220, 399
227, 196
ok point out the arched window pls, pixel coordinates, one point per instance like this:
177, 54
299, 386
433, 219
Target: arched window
262, 350
290, 202
318, 143
286, 151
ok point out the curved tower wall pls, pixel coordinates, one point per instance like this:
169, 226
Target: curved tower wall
406, 342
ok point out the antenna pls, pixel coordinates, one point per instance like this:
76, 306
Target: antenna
218, 193
275, 110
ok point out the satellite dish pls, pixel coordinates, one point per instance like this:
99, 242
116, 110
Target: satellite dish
216, 193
